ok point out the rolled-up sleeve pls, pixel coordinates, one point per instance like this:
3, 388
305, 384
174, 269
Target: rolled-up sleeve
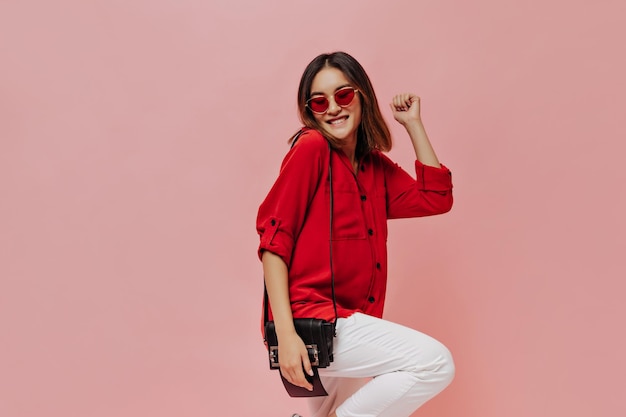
428, 194
282, 213
433, 179
275, 239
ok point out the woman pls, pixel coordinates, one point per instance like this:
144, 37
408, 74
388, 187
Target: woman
405, 368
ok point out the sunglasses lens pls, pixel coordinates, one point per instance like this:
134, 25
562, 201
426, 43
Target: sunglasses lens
318, 104
344, 97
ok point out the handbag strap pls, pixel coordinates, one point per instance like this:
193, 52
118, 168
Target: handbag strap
330, 241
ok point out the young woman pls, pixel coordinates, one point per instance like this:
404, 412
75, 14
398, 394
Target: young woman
380, 368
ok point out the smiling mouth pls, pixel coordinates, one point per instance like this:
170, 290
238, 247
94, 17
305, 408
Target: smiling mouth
338, 120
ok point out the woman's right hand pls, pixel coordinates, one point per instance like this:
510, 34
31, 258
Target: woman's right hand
294, 360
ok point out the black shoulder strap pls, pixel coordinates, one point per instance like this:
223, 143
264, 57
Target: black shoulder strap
297, 136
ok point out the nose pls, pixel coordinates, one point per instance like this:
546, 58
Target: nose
333, 107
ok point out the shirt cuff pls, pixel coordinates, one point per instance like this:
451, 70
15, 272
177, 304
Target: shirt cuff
433, 179
275, 240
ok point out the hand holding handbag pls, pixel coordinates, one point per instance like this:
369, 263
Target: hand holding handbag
317, 334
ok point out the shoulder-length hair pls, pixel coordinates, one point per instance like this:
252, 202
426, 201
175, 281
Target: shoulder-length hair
373, 132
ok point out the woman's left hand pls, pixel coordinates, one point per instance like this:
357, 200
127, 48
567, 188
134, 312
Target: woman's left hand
406, 108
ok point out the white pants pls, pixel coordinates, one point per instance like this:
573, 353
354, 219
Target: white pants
381, 369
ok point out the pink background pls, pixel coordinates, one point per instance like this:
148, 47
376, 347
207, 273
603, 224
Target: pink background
137, 139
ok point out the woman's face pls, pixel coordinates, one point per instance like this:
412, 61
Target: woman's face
338, 121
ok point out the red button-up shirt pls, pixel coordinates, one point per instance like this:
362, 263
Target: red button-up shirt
294, 221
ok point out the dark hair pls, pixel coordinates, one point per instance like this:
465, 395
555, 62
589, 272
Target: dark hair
373, 132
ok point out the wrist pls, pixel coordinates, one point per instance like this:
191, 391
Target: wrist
284, 326
413, 124
285, 334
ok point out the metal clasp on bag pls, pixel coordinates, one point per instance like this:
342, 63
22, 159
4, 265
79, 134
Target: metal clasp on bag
314, 357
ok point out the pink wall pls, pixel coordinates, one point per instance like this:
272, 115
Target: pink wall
138, 138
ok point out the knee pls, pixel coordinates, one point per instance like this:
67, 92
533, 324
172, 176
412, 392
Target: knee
447, 369
440, 369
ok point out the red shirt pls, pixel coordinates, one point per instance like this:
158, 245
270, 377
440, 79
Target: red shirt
293, 222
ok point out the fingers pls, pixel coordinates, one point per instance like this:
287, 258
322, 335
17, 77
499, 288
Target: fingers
402, 102
406, 108
306, 364
297, 378
294, 372
398, 103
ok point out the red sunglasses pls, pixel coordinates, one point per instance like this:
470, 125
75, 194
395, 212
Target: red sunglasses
343, 98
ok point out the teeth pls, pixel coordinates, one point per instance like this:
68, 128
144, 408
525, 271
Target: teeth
336, 121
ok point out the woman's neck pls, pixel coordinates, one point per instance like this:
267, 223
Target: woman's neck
349, 148
350, 151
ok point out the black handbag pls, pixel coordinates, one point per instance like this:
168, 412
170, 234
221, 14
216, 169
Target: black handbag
317, 334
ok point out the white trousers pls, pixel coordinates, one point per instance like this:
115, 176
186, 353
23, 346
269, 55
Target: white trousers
381, 369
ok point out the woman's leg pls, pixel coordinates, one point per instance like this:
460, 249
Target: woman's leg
339, 390
408, 367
